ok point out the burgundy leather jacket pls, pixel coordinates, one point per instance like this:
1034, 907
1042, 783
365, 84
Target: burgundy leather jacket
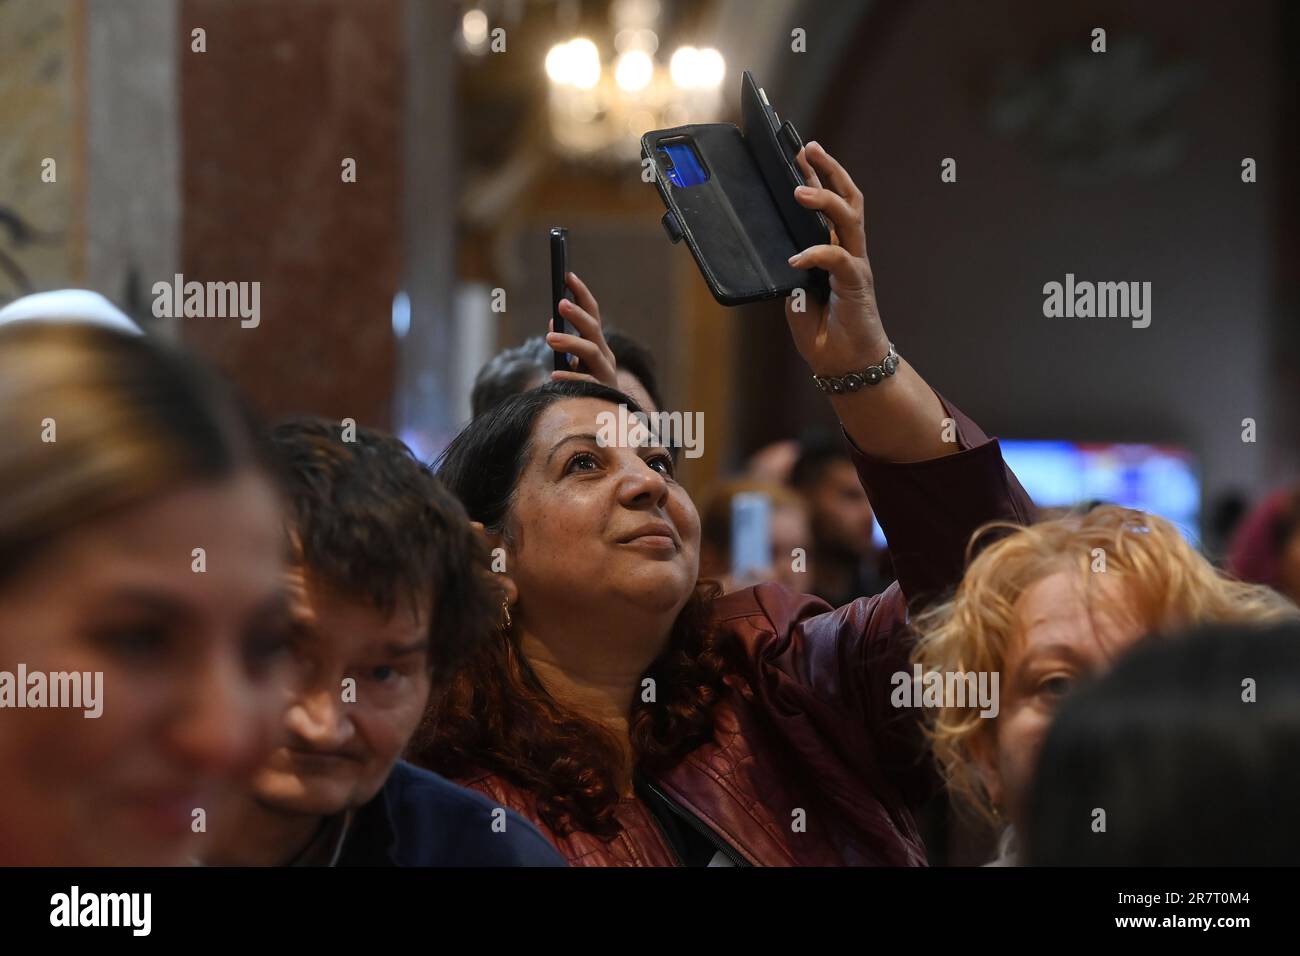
809, 726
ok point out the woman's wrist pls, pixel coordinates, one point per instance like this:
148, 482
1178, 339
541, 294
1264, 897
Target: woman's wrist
870, 353
865, 377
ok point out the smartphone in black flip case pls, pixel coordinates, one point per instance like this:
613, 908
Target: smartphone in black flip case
743, 224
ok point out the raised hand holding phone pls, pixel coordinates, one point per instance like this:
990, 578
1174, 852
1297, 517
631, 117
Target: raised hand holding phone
845, 334
559, 239
900, 419
595, 361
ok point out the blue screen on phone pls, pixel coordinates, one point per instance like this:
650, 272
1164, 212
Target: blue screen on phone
684, 167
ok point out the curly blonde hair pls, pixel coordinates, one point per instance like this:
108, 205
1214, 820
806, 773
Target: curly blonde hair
1168, 583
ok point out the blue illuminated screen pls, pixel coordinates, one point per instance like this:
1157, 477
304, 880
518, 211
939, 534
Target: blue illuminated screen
1161, 479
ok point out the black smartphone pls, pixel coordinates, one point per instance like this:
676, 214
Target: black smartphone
559, 289
730, 194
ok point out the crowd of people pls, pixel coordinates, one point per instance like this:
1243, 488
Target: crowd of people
308, 648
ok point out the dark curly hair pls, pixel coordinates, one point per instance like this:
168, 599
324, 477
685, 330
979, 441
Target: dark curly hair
497, 716
374, 521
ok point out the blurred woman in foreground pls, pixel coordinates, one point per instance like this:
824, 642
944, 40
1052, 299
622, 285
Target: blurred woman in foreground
140, 599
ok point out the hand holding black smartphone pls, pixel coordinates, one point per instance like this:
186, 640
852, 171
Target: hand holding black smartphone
730, 195
559, 288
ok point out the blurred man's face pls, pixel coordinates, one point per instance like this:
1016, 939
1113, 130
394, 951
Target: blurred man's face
364, 682
1067, 631
841, 513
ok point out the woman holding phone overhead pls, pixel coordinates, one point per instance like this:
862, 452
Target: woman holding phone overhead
638, 717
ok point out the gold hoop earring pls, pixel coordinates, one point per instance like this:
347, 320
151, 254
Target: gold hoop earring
505, 614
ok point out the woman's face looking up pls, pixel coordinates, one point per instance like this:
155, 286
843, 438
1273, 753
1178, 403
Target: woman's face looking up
596, 529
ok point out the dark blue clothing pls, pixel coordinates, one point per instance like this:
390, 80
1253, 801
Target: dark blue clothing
422, 819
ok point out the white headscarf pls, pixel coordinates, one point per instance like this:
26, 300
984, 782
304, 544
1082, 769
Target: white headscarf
68, 305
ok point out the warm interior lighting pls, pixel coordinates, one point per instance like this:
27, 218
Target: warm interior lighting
633, 70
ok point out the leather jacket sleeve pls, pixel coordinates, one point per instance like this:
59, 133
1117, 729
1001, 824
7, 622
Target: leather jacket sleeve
823, 675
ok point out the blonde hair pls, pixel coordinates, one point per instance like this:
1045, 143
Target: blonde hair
96, 420
1168, 583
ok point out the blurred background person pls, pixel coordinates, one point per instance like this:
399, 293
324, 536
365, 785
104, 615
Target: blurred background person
1266, 547
788, 530
1223, 517
1047, 607
848, 564
1188, 746
140, 540
774, 461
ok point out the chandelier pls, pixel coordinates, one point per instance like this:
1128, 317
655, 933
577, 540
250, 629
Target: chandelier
599, 102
